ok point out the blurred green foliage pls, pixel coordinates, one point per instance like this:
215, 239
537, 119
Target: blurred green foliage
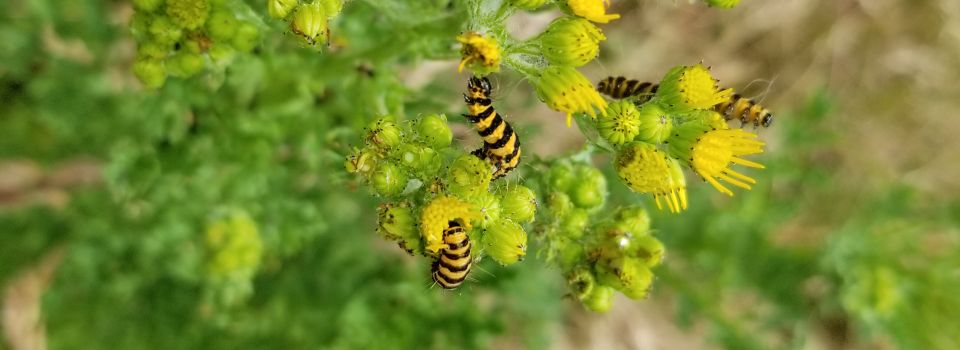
806, 252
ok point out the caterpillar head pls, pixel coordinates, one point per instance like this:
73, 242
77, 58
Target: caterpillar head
479, 86
602, 85
766, 120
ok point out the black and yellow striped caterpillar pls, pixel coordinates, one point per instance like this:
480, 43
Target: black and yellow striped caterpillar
501, 145
453, 265
737, 108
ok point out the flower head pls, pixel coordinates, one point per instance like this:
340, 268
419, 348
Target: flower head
621, 123
519, 203
188, 14
468, 176
437, 216
645, 169
310, 22
506, 242
396, 222
691, 87
711, 152
566, 90
594, 10
571, 41
481, 50
655, 123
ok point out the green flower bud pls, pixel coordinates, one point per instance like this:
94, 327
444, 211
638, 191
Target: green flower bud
221, 54
396, 222
433, 130
634, 219
279, 9
140, 25
655, 123
571, 41
246, 38
384, 134
332, 7
147, 5
468, 176
629, 276
705, 119
528, 5
582, 283
310, 23
234, 247
361, 161
185, 65
488, 205
222, 25
621, 124
600, 299
165, 31
648, 249
150, 72
561, 177
388, 179
506, 242
574, 224
566, 252
188, 14
152, 49
559, 204
519, 203
422, 161
591, 189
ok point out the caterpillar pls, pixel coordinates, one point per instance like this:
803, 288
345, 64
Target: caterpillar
737, 108
453, 265
501, 145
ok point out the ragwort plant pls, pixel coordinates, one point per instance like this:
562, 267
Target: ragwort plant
429, 184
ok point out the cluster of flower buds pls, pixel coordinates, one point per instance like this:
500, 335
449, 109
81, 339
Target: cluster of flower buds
426, 184
598, 252
309, 19
655, 136
182, 38
233, 254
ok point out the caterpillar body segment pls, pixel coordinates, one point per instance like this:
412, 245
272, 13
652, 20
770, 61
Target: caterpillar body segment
452, 266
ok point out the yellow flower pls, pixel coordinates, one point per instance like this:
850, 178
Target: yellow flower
481, 50
566, 90
710, 153
691, 87
621, 124
645, 169
437, 215
594, 10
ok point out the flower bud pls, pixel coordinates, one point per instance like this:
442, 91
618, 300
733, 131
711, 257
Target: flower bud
564, 89
489, 207
528, 5
566, 252
519, 203
221, 54
506, 242
437, 216
481, 52
559, 204
574, 225
629, 276
704, 119
591, 189
188, 14
332, 7
279, 9
384, 134
600, 299
151, 73
246, 38
655, 123
582, 283
388, 179
433, 130
185, 65
222, 25
691, 87
621, 124
396, 222
468, 176
164, 31
648, 249
234, 246
152, 49
571, 41
561, 177
422, 161
594, 10
310, 23
360, 161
